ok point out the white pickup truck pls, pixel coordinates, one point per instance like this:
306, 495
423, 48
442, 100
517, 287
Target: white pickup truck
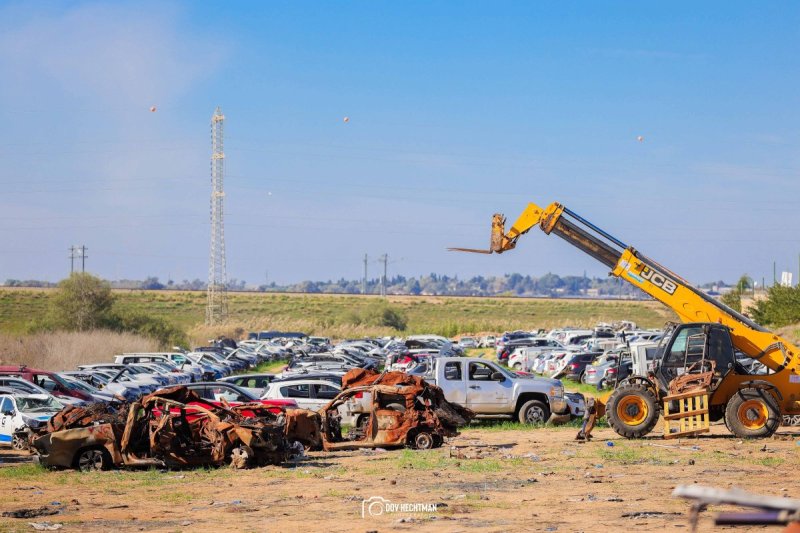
492, 391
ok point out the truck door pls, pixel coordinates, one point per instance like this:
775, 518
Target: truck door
485, 395
454, 385
686, 347
6, 420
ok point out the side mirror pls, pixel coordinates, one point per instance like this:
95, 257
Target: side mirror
8, 413
498, 376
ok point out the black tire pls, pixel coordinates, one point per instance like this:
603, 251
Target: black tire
752, 414
632, 410
92, 460
533, 412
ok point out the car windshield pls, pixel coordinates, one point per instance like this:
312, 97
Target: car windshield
80, 385
34, 404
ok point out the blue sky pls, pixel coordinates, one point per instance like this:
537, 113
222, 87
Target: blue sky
456, 110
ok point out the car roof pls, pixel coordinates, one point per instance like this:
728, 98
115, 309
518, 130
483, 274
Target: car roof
258, 375
22, 368
317, 377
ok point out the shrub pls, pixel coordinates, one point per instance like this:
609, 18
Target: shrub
162, 331
81, 303
780, 308
378, 313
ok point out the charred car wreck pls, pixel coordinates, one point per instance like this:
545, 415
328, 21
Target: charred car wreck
404, 411
164, 430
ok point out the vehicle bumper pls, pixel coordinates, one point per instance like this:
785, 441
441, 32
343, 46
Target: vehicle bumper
559, 406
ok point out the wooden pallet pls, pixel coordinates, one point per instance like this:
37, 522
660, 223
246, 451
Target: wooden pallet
692, 416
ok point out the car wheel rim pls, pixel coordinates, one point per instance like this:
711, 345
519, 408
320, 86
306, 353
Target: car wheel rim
534, 414
424, 441
91, 460
17, 443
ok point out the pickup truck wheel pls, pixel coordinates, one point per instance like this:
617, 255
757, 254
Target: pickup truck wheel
752, 413
93, 460
632, 410
517, 367
534, 412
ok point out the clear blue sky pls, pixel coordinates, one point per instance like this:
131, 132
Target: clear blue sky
457, 110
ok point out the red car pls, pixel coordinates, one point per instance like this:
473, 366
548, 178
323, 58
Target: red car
213, 392
47, 380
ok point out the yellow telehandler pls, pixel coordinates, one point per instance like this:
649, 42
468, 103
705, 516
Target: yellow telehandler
697, 377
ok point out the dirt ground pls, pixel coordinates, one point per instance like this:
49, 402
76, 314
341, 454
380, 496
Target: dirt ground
487, 479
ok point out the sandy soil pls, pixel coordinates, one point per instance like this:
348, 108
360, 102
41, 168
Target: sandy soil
484, 480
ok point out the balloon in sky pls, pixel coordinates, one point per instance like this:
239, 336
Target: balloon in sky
152, 109
640, 138
346, 119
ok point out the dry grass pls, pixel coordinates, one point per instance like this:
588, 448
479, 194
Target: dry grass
65, 350
792, 333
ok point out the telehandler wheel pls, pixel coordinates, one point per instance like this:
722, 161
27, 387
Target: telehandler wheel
632, 410
752, 413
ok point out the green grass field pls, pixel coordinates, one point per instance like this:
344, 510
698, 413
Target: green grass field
332, 314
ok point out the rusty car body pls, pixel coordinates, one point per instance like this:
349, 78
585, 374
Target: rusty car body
405, 411
157, 432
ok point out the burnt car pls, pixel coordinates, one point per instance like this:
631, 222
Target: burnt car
404, 411
157, 432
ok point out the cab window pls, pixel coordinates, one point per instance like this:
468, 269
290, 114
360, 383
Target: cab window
6, 405
685, 347
452, 371
45, 382
480, 372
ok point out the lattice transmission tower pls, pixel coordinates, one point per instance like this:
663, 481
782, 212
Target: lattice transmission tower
217, 307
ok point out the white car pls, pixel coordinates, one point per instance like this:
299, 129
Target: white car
468, 342
311, 394
20, 410
523, 358
314, 394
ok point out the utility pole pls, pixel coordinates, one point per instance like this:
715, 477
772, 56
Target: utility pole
217, 290
77, 252
364, 280
385, 259
774, 272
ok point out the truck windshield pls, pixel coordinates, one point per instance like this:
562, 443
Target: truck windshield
32, 403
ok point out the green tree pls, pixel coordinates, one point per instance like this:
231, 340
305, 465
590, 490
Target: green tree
83, 302
780, 308
733, 298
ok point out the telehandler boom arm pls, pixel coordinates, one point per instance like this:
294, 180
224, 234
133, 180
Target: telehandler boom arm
690, 304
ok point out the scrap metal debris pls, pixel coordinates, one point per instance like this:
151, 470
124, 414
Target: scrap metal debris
404, 411
172, 427
31, 513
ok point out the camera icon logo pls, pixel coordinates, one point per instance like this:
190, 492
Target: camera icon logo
373, 506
